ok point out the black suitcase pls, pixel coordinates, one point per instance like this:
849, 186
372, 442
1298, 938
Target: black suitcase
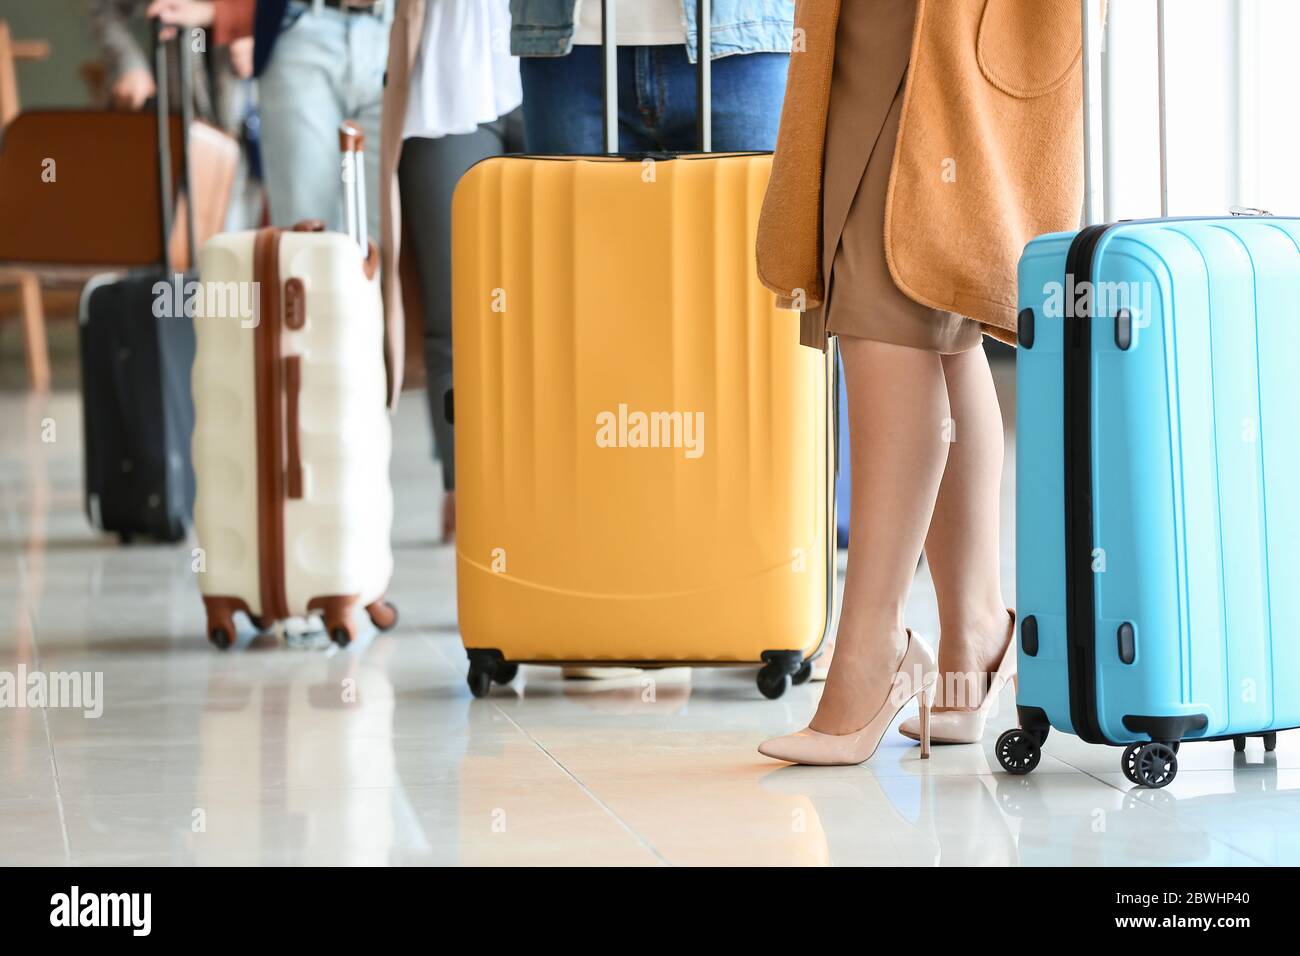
138, 411
137, 350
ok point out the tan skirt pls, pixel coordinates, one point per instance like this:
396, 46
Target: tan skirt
872, 47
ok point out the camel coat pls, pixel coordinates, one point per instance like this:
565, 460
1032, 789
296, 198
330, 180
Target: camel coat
989, 154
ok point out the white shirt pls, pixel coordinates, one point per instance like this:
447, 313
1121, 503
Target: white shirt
639, 23
464, 74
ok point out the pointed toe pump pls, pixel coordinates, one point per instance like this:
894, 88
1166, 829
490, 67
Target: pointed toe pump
915, 678
967, 726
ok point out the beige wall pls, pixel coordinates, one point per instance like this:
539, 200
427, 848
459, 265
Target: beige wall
57, 81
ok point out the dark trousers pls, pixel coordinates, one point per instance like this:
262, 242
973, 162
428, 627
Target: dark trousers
428, 173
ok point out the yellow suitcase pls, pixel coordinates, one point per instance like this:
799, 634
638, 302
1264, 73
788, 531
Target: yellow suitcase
644, 452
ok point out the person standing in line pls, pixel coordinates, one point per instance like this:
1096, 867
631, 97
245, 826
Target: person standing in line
559, 41
318, 63
130, 68
223, 92
452, 99
900, 199
229, 21
130, 72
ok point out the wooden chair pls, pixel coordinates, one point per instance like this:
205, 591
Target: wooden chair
29, 286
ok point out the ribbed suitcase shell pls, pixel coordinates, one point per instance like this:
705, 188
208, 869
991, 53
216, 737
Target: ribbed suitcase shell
1194, 516
337, 535
586, 284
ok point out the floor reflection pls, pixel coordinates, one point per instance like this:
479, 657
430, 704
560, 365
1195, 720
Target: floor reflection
292, 752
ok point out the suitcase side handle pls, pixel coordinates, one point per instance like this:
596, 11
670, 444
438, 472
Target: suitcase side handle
292, 388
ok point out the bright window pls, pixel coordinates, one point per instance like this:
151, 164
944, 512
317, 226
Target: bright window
1233, 76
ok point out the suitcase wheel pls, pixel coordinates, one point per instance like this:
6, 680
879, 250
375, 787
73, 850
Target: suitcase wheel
1270, 742
485, 666
1019, 751
505, 673
781, 669
1128, 762
774, 680
221, 629
383, 614
479, 680
1153, 765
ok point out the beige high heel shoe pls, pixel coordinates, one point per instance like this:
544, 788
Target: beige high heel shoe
916, 677
967, 726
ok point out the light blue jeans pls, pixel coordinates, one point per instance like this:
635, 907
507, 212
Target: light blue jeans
326, 67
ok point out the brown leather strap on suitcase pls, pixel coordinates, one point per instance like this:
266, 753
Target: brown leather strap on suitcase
269, 375
292, 387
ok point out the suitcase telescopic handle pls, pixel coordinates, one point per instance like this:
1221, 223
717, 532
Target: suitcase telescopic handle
1094, 119
352, 143
162, 106
703, 74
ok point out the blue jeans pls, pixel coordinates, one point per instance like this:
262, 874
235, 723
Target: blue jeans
656, 100
326, 67
545, 27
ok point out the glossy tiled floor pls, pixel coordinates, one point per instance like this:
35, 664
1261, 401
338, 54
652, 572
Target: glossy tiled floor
278, 754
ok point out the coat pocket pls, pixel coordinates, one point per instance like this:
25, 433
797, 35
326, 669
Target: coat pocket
1028, 48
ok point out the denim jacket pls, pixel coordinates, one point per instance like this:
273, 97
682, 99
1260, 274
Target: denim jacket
545, 27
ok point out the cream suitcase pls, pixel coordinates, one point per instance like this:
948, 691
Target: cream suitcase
292, 436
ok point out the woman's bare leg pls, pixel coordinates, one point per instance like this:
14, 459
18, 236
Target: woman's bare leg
898, 409
962, 546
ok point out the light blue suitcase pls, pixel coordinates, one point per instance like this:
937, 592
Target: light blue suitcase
1158, 488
